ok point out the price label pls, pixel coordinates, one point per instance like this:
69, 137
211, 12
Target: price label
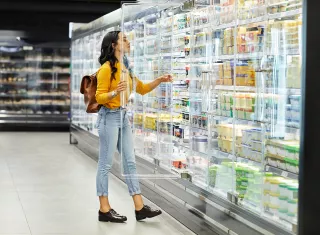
284, 174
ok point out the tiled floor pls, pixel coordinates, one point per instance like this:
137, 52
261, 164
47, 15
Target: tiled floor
48, 187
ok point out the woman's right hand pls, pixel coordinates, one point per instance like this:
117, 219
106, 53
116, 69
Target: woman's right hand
122, 86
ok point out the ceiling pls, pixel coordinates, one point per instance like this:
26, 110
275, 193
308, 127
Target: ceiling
48, 20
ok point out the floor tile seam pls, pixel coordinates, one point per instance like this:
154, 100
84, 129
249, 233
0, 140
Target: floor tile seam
15, 187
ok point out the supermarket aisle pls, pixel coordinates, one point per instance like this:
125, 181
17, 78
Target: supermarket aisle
48, 187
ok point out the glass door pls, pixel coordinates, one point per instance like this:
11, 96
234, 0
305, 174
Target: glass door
157, 41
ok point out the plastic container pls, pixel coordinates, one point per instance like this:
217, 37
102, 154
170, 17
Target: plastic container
274, 199
257, 135
257, 146
282, 213
291, 217
282, 164
272, 162
292, 192
283, 203
271, 149
274, 186
256, 156
273, 209
293, 206
283, 190
292, 165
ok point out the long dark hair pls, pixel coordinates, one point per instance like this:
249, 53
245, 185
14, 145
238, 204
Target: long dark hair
107, 51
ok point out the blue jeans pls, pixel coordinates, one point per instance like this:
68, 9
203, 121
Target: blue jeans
110, 139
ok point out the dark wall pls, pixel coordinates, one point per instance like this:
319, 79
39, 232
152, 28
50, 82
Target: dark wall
48, 20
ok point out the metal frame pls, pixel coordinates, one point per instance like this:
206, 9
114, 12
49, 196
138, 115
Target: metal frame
309, 191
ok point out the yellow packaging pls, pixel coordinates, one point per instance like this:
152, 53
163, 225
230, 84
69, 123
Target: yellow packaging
227, 74
227, 81
240, 81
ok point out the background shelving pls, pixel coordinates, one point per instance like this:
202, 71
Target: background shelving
33, 83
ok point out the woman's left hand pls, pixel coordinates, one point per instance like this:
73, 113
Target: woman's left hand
166, 78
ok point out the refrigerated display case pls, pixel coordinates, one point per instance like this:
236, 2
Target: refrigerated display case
34, 86
230, 121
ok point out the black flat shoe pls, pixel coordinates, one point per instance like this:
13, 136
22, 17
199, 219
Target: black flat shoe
111, 216
147, 212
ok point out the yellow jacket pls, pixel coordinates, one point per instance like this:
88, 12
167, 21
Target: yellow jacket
105, 85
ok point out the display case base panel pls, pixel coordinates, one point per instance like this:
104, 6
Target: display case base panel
200, 211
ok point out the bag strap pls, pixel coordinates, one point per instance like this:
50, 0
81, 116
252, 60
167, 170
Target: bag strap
96, 75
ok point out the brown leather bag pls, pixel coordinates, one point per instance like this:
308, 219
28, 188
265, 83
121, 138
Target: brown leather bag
88, 88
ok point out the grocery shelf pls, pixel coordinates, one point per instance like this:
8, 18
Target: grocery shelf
235, 88
32, 95
224, 26
181, 31
165, 34
180, 171
150, 37
14, 83
250, 160
26, 61
276, 91
282, 172
224, 57
199, 27
285, 14
247, 56
166, 54
253, 20
34, 105
151, 56
32, 72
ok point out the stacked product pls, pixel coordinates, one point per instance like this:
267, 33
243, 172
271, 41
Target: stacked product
283, 154
250, 39
281, 197
248, 9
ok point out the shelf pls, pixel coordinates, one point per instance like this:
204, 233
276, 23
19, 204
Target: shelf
250, 160
166, 54
275, 91
14, 83
26, 61
35, 104
180, 171
247, 56
253, 20
281, 172
33, 72
235, 88
223, 154
285, 14
223, 118
151, 56
224, 57
41, 82
32, 115
224, 26
199, 27
150, 37
181, 31
32, 95
167, 34
150, 131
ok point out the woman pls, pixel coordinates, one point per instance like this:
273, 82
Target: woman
111, 89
